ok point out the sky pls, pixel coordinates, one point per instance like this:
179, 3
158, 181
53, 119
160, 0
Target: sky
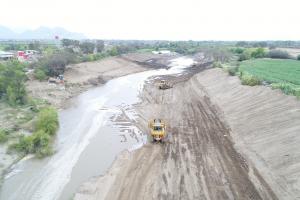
160, 19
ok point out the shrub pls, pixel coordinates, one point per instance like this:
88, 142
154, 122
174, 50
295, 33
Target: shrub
232, 70
3, 136
47, 121
246, 55
238, 50
40, 74
258, 53
24, 145
217, 64
39, 142
298, 57
248, 79
279, 54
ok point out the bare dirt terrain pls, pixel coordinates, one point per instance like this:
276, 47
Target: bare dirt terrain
225, 141
265, 127
80, 77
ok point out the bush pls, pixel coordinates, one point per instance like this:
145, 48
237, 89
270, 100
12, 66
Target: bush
25, 145
258, 53
232, 70
248, 79
47, 121
279, 54
217, 64
298, 57
40, 74
3, 136
238, 50
246, 55
40, 141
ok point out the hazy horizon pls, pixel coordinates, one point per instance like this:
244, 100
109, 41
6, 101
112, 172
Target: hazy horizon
232, 20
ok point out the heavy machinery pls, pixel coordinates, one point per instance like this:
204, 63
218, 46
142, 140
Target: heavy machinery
163, 85
157, 130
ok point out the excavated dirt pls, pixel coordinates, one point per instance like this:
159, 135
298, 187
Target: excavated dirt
197, 161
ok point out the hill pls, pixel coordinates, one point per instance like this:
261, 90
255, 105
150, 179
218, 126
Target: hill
39, 33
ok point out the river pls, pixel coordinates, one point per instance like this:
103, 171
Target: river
89, 139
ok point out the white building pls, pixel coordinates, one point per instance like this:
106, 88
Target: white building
6, 55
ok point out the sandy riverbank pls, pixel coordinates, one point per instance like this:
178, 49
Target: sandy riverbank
80, 77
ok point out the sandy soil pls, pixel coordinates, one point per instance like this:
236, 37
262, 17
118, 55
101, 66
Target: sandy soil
265, 127
206, 115
80, 77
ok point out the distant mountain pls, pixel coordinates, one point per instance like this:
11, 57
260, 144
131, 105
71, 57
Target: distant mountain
6, 33
40, 33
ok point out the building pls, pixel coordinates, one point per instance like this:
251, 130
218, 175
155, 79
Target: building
6, 55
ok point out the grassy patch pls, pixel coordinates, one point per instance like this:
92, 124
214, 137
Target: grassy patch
281, 73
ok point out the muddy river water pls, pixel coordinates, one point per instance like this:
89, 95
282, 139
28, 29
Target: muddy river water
89, 139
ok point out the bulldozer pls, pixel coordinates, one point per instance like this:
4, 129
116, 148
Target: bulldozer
163, 85
157, 130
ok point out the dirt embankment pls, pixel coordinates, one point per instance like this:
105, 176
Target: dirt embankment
265, 127
80, 77
199, 159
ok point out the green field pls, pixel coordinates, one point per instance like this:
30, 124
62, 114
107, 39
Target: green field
281, 73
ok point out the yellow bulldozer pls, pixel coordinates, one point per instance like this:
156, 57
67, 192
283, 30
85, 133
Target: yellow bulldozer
157, 130
164, 85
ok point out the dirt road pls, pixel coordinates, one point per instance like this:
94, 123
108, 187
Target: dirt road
198, 161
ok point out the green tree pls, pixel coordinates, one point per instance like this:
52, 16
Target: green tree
99, 45
258, 53
87, 47
12, 78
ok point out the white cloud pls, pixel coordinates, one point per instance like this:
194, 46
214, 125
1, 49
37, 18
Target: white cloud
160, 19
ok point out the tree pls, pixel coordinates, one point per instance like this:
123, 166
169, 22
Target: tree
87, 47
67, 43
12, 78
99, 45
279, 54
56, 63
34, 45
258, 53
241, 44
246, 55
113, 51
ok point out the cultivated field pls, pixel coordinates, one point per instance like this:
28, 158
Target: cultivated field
282, 73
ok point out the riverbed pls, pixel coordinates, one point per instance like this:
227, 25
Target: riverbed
93, 131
